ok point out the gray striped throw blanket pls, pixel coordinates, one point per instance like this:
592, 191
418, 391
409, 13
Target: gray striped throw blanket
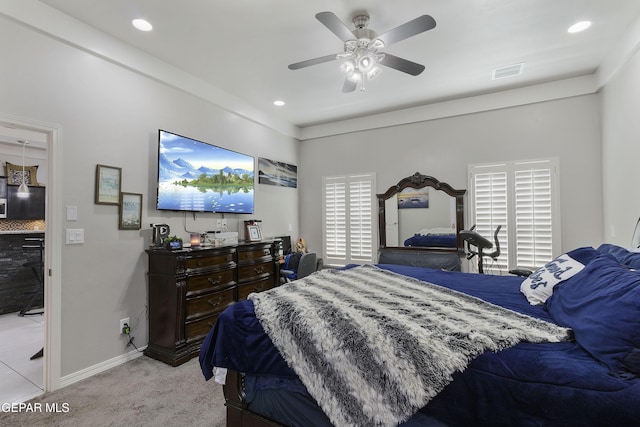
372, 346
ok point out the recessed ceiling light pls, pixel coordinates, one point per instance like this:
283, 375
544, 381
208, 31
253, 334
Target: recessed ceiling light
142, 25
579, 26
278, 103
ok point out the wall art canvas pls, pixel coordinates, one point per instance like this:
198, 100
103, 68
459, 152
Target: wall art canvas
411, 198
272, 172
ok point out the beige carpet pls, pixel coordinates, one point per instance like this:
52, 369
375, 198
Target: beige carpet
143, 392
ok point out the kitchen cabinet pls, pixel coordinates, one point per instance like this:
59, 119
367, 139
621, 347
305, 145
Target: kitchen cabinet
32, 207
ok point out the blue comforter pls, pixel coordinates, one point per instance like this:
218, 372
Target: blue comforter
433, 240
552, 384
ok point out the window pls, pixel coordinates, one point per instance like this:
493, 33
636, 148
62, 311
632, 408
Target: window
348, 219
522, 197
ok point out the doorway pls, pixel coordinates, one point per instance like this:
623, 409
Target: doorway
28, 375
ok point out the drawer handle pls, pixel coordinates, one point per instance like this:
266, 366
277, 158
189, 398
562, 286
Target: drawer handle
258, 270
258, 288
213, 281
215, 302
210, 324
267, 252
200, 263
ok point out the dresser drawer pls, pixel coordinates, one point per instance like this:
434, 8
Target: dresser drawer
198, 329
255, 254
210, 281
210, 303
255, 271
259, 286
216, 260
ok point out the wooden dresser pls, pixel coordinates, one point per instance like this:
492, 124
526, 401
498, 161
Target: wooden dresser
189, 288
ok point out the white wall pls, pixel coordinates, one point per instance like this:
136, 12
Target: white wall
621, 153
110, 115
568, 129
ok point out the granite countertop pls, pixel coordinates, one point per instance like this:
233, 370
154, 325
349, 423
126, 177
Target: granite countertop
21, 232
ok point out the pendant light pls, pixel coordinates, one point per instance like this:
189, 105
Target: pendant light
23, 189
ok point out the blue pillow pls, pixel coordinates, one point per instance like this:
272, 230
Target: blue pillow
602, 306
622, 255
539, 286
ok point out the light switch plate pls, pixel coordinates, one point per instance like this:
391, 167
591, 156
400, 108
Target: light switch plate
72, 213
74, 236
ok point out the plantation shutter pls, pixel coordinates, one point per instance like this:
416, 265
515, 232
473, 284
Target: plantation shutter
348, 219
522, 197
361, 219
534, 231
335, 219
491, 209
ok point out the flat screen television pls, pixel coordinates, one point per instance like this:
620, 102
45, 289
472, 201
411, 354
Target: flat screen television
195, 176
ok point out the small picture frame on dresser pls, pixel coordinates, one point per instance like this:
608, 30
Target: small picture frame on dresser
173, 243
254, 233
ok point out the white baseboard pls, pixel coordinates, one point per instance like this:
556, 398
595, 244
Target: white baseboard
100, 367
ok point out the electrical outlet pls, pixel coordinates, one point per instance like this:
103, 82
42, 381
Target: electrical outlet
224, 222
122, 323
219, 223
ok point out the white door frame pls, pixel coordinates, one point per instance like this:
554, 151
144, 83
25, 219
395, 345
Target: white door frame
53, 246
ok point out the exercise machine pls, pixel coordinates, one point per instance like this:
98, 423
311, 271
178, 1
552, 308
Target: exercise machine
481, 243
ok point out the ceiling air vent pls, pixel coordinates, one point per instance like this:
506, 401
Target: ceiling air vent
507, 71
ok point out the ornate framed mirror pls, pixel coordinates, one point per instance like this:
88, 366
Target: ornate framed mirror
421, 213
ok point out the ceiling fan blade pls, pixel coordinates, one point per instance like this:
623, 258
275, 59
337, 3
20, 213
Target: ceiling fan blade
335, 25
400, 64
310, 62
349, 86
408, 29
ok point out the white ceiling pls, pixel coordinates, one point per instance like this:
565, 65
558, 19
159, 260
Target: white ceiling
244, 46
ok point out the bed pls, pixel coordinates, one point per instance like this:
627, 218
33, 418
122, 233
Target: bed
433, 238
576, 361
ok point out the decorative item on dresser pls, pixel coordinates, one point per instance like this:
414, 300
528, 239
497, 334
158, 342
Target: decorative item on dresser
189, 288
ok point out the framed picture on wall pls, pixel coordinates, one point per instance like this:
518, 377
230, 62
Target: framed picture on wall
108, 182
411, 198
272, 172
130, 217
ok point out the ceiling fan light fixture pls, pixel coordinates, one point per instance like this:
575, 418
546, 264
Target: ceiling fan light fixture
355, 76
361, 59
348, 66
366, 63
376, 44
373, 72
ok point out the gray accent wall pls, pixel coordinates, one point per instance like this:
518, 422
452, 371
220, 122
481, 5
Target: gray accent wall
110, 115
568, 129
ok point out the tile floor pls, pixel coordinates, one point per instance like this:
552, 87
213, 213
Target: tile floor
20, 338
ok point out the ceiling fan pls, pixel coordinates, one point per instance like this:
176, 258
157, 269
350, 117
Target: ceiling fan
362, 58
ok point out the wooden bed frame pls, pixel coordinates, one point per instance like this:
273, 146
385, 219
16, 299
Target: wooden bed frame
238, 415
